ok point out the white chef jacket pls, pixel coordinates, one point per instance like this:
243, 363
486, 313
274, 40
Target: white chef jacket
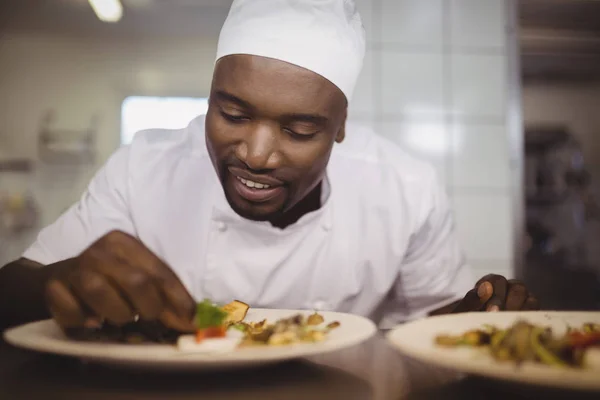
382, 245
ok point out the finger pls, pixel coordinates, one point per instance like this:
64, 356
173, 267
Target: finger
499, 286
485, 291
100, 295
494, 304
471, 302
516, 296
134, 284
169, 319
64, 307
133, 252
531, 304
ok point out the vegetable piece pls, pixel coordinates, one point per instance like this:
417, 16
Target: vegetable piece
315, 319
541, 352
240, 327
591, 327
578, 339
208, 315
261, 337
522, 339
448, 341
332, 325
211, 333
497, 338
236, 312
470, 338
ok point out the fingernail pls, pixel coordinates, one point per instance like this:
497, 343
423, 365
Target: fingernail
493, 308
92, 323
483, 289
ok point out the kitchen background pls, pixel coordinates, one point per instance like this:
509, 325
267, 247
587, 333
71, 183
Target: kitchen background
501, 96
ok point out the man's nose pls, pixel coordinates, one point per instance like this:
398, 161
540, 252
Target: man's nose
260, 149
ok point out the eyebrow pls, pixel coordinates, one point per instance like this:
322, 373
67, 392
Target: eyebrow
224, 96
296, 117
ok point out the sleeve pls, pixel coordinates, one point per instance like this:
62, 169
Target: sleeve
434, 272
103, 207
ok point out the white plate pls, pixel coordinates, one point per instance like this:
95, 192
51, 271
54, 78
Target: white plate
416, 339
45, 336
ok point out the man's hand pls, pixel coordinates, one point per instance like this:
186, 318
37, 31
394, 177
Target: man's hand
118, 279
496, 293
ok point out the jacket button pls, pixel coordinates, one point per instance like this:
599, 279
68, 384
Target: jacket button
222, 226
320, 305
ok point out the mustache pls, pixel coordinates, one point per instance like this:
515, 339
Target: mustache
233, 161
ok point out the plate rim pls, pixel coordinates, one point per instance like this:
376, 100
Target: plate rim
187, 360
504, 373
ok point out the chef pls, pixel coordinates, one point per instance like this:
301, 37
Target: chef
272, 198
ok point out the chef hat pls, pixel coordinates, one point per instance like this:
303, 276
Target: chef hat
324, 36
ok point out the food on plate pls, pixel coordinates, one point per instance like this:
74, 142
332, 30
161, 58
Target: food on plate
223, 328
291, 330
219, 328
210, 320
526, 342
137, 332
236, 312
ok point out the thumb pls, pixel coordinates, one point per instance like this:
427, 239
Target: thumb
471, 302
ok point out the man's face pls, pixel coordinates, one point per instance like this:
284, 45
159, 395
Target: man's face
270, 128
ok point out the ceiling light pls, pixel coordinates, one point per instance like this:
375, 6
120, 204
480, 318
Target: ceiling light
107, 10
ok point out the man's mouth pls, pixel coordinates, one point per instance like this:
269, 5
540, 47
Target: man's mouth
256, 192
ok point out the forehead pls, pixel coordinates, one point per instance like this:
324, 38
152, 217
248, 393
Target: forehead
276, 85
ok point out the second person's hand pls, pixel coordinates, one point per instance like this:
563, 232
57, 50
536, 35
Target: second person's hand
496, 293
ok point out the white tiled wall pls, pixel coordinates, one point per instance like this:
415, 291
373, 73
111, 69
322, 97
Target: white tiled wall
436, 83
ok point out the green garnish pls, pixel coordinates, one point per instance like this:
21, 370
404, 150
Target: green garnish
209, 315
239, 327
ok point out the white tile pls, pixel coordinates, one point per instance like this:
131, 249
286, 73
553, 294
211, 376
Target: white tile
482, 268
478, 85
365, 9
363, 102
480, 156
412, 84
478, 23
428, 142
484, 225
355, 122
412, 22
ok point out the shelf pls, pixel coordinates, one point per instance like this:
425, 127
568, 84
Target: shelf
22, 165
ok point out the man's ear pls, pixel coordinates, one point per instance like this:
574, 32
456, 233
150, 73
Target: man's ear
339, 137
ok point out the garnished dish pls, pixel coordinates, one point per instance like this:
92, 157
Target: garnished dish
526, 342
226, 324
219, 328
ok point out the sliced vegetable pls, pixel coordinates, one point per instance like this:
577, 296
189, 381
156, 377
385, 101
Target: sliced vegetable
523, 342
211, 333
332, 325
236, 312
315, 319
541, 352
578, 339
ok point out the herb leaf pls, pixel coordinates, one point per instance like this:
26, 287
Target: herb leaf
208, 315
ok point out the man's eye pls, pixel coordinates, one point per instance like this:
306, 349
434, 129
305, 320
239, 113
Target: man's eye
300, 136
234, 118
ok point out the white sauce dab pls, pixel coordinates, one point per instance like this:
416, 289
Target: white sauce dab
592, 358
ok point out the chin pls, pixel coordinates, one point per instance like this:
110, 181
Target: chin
250, 211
